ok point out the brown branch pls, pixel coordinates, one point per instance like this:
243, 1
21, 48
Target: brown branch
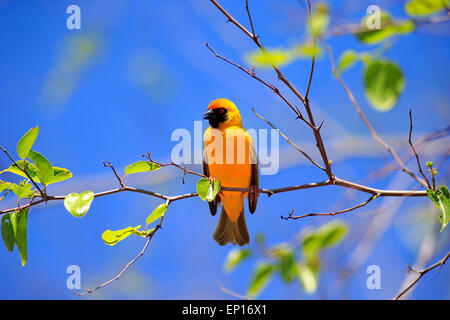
366, 121
149, 238
313, 58
250, 19
109, 165
421, 273
274, 89
291, 216
24, 171
414, 151
318, 137
289, 141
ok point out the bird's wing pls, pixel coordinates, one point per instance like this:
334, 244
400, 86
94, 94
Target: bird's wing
213, 204
254, 178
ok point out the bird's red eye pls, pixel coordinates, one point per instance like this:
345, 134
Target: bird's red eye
221, 110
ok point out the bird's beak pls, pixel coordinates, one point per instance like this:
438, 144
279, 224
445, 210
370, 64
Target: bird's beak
209, 114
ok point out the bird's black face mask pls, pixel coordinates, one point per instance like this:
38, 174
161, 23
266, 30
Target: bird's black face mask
216, 116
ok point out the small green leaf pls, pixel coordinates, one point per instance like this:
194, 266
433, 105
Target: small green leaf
311, 247
387, 29
309, 49
432, 195
5, 186
23, 191
346, 60
29, 167
78, 204
234, 257
213, 190
157, 213
8, 232
141, 166
444, 203
307, 278
332, 233
319, 20
425, 7
26, 142
383, 83
19, 221
203, 186
287, 266
111, 238
315, 241
260, 279
59, 174
44, 168
279, 57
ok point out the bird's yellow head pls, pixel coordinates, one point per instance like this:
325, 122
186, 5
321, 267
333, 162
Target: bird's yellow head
222, 114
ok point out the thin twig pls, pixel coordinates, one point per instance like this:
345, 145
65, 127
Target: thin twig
289, 141
109, 165
414, 151
366, 121
421, 273
291, 216
318, 137
24, 171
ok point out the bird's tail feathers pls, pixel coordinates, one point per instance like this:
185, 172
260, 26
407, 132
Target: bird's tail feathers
228, 231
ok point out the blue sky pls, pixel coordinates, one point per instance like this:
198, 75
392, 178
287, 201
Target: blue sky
136, 71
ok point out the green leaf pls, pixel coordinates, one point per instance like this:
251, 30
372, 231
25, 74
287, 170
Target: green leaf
444, 203
287, 266
157, 213
387, 29
59, 174
234, 257
279, 57
213, 190
141, 166
23, 191
203, 186
260, 279
432, 195
332, 233
8, 232
383, 82
5, 186
111, 238
44, 168
307, 278
346, 60
319, 20
425, 7
309, 49
78, 204
326, 236
19, 220
26, 142
311, 247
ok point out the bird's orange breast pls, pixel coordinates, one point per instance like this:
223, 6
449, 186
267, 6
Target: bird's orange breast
229, 155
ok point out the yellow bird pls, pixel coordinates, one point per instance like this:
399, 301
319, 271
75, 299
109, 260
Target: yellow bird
230, 157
